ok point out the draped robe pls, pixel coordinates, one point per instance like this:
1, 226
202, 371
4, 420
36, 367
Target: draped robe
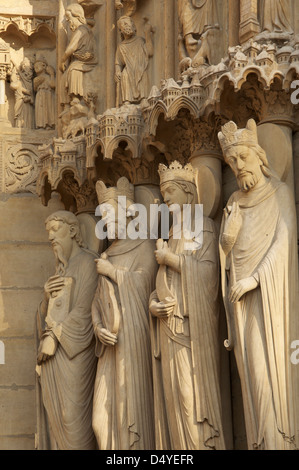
132, 59
186, 352
276, 16
197, 15
44, 101
83, 60
261, 322
123, 399
65, 385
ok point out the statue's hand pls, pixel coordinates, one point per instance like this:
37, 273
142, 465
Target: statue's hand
161, 251
233, 222
104, 267
148, 28
63, 67
162, 309
106, 337
47, 349
232, 227
117, 77
241, 288
50, 70
53, 284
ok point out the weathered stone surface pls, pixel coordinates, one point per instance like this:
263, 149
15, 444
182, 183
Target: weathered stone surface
17, 443
21, 259
17, 410
18, 307
20, 354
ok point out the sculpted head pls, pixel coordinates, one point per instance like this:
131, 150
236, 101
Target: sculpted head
243, 154
178, 184
114, 200
64, 233
126, 27
40, 65
75, 16
26, 67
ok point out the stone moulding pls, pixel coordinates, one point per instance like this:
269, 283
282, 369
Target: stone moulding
199, 90
28, 25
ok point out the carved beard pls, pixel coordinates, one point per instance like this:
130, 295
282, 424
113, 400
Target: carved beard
128, 30
61, 261
247, 181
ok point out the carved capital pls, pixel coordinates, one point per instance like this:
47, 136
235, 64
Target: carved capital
3, 72
85, 194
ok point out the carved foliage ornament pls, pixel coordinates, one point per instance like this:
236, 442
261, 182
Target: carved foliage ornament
21, 169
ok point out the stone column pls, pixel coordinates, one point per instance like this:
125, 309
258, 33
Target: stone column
209, 162
296, 173
61, 46
169, 38
2, 91
111, 29
249, 24
276, 138
4, 66
234, 22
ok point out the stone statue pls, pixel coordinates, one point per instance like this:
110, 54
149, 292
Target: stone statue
22, 85
185, 310
276, 16
131, 62
44, 85
80, 53
66, 353
74, 119
123, 416
258, 251
198, 19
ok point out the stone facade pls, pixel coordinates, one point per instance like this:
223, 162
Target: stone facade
100, 90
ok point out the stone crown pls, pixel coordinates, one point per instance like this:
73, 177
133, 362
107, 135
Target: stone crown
177, 172
230, 135
123, 188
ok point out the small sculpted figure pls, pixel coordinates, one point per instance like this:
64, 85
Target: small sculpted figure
131, 62
198, 19
79, 57
22, 85
44, 85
